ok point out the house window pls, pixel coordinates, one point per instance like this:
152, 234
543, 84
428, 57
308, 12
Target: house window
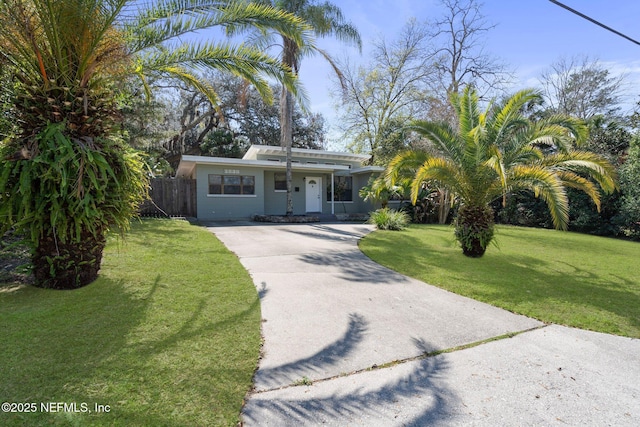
280, 181
232, 184
342, 189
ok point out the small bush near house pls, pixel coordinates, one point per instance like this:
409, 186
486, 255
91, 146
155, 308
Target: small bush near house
389, 219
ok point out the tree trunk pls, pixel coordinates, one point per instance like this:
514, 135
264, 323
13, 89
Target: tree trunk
290, 59
474, 229
445, 205
68, 265
286, 140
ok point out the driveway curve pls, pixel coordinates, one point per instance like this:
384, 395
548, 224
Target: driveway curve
349, 342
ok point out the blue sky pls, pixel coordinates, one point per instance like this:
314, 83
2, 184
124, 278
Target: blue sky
529, 36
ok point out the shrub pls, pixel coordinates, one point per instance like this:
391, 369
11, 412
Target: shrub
389, 219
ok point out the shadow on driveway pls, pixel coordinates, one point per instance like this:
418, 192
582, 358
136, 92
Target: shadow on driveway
328, 356
317, 404
355, 267
328, 232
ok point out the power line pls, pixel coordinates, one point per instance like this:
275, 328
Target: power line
582, 15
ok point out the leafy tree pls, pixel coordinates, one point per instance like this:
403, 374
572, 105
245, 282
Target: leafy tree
222, 143
381, 97
609, 138
582, 87
585, 218
258, 122
188, 123
325, 19
67, 177
523, 209
499, 151
142, 117
630, 204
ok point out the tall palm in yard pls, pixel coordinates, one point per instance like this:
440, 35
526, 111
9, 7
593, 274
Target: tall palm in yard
499, 151
66, 178
325, 19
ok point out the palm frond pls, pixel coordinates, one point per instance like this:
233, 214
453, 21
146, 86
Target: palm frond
66, 42
442, 135
242, 61
573, 180
267, 18
172, 18
442, 172
576, 130
183, 75
496, 162
467, 109
509, 114
327, 20
402, 168
585, 163
546, 184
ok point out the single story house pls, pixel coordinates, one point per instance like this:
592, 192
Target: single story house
324, 182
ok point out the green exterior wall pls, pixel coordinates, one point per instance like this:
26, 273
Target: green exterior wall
266, 199
218, 208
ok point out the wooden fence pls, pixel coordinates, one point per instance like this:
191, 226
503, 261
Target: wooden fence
171, 197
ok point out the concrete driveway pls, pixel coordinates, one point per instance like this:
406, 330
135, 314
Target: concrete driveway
350, 343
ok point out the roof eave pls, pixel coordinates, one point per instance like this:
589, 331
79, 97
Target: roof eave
186, 168
254, 150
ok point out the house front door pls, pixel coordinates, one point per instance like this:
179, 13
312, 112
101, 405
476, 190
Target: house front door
313, 188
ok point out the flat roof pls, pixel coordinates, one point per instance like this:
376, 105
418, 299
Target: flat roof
254, 150
188, 163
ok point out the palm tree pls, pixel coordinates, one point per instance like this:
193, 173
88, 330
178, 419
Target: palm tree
66, 178
499, 151
325, 19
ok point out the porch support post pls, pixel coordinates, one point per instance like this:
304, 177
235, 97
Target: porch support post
333, 210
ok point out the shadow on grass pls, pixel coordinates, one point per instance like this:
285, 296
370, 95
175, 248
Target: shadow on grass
157, 352
523, 278
193, 327
72, 335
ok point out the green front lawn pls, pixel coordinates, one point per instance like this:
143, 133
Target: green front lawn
168, 335
566, 278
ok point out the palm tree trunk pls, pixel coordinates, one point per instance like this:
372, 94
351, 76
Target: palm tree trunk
474, 229
286, 140
289, 58
68, 265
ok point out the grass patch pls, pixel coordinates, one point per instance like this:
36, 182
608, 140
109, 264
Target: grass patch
168, 335
557, 277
